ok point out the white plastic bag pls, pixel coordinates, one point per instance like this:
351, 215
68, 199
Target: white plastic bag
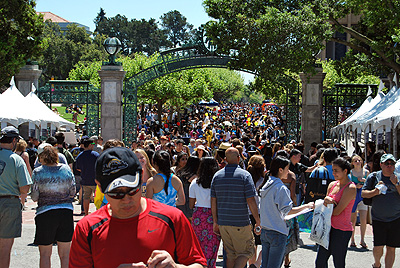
321, 224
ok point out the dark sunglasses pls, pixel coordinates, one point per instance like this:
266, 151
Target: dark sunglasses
120, 195
389, 163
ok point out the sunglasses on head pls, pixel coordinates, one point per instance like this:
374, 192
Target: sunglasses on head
120, 195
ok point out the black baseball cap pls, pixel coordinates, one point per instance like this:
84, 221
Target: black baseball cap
118, 167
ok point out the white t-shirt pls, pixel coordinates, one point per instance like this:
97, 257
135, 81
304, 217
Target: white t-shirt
203, 196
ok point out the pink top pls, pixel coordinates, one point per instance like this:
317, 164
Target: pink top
343, 220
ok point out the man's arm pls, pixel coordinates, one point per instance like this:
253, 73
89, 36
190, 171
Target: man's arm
369, 190
369, 193
24, 189
395, 181
214, 215
251, 202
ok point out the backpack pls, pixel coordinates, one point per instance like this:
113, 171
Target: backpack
32, 156
378, 177
317, 187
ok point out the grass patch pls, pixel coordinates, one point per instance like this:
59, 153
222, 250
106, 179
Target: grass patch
68, 116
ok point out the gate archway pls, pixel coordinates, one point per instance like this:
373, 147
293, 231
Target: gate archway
199, 54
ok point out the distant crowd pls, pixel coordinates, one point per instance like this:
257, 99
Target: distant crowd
230, 172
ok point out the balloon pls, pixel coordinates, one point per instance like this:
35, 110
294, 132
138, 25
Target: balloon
214, 117
256, 123
165, 125
206, 114
250, 112
248, 118
178, 124
248, 123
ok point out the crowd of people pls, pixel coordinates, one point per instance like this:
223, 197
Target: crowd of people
213, 175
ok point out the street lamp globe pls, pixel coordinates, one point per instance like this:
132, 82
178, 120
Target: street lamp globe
112, 46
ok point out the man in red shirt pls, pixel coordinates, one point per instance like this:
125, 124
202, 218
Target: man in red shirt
132, 231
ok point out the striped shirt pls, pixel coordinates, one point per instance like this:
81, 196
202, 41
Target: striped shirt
231, 186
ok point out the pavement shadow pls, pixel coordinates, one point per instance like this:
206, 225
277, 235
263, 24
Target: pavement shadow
310, 247
360, 249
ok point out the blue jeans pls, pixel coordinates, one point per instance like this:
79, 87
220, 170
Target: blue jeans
338, 243
273, 248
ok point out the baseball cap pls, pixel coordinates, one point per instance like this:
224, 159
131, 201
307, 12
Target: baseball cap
10, 132
252, 149
41, 147
118, 167
387, 157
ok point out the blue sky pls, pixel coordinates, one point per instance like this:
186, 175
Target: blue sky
84, 11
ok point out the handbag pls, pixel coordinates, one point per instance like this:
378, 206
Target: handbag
316, 187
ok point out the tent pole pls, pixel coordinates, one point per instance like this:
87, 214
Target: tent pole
394, 138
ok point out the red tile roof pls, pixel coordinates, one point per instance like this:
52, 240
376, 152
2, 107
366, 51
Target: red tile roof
52, 17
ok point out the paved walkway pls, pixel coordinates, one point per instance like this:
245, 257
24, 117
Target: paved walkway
24, 254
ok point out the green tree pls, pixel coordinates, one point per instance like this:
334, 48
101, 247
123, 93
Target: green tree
278, 36
176, 27
135, 35
223, 82
20, 28
100, 17
62, 50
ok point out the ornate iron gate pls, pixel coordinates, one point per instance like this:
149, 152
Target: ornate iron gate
293, 108
200, 53
75, 92
343, 99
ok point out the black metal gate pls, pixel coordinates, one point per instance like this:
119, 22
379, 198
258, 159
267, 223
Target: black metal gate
341, 101
68, 92
293, 108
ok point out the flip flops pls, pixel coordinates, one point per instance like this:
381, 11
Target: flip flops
353, 245
364, 245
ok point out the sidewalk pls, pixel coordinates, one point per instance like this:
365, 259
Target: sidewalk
24, 254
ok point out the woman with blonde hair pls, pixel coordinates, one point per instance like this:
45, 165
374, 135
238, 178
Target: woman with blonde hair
147, 169
277, 147
186, 150
358, 175
20, 150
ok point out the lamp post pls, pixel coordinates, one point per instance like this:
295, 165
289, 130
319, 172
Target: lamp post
112, 46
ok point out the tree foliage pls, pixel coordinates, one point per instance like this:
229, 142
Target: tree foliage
135, 35
62, 50
176, 90
176, 27
20, 28
278, 36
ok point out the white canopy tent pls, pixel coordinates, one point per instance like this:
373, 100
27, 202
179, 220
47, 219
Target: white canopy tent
367, 118
15, 109
44, 114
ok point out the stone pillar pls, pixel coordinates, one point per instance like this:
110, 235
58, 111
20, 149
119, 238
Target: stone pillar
111, 101
28, 75
311, 119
